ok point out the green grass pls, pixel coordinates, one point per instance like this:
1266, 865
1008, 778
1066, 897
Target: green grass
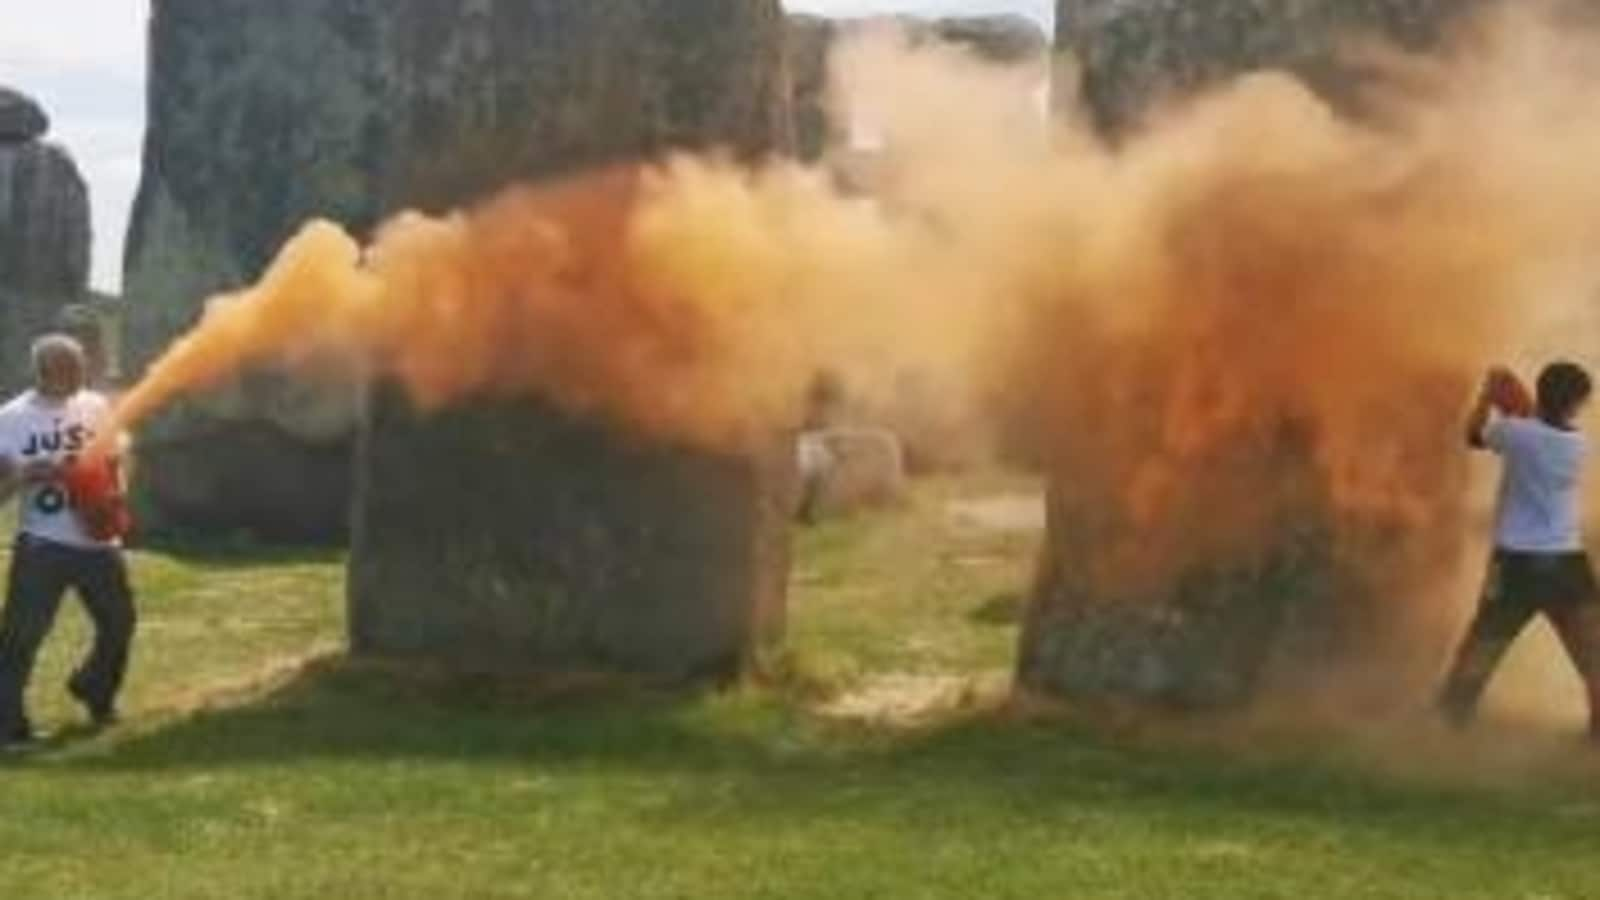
914, 590
245, 774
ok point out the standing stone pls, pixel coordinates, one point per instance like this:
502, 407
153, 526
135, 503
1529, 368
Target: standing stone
1132, 53
513, 534
1004, 39
489, 91
21, 117
1327, 592
264, 115
510, 535
261, 116
807, 40
846, 470
44, 233
1181, 611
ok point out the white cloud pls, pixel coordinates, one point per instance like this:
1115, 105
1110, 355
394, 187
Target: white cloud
105, 35
84, 61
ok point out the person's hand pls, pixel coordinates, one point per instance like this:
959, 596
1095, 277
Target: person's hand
40, 470
1496, 376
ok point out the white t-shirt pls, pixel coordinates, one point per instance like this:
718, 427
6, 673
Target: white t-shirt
33, 428
1539, 491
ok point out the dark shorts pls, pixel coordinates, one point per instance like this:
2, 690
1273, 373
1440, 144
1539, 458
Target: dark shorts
1521, 587
1542, 581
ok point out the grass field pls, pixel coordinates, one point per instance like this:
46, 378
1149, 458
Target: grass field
887, 764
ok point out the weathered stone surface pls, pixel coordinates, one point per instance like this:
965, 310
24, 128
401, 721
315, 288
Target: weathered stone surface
850, 469
263, 115
1134, 52
807, 40
930, 418
44, 238
1320, 592
1205, 640
96, 323
298, 495
508, 533
21, 117
1000, 39
496, 89
1322, 599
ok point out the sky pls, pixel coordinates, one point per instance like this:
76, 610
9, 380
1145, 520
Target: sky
84, 61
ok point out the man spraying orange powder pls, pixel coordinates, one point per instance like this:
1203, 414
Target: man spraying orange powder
69, 536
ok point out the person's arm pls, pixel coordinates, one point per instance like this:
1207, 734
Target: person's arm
10, 469
119, 447
1482, 410
1478, 426
14, 471
41, 470
10, 478
124, 461
14, 476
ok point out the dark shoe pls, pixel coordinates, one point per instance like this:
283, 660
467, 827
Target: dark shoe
103, 715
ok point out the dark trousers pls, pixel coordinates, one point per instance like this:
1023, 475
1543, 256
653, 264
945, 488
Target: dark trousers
41, 572
1520, 586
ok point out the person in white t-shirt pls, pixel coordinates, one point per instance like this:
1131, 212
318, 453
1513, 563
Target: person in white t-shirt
40, 431
1539, 565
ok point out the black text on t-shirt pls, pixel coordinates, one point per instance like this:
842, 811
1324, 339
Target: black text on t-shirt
70, 440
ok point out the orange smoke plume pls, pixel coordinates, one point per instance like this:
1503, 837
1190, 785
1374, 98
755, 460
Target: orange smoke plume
1252, 372
1270, 275
1251, 261
531, 292
1254, 317
691, 301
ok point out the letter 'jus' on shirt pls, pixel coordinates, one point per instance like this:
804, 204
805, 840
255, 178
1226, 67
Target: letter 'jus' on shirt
1538, 510
34, 429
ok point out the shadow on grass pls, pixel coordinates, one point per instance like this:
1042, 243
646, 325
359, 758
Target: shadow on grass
767, 757
1002, 609
336, 708
223, 554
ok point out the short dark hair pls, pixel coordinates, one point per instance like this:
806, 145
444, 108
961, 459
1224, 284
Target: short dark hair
55, 344
1563, 386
